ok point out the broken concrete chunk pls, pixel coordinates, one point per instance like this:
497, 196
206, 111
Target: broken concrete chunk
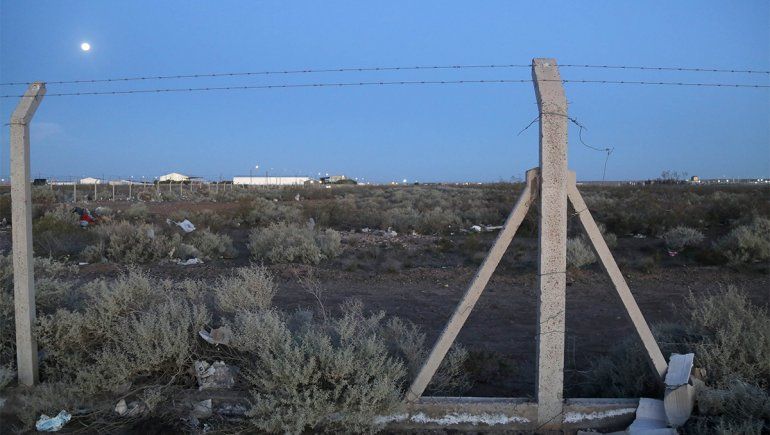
202, 409
132, 409
52, 424
650, 419
217, 336
214, 376
679, 368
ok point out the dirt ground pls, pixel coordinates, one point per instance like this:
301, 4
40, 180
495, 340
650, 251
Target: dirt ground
418, 278
501, 330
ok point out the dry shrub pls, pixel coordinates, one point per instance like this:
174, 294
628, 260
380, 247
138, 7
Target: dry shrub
407, 341
53, 288
137, 212
682, 237
135, 329
335, 376
282, 243
212, 245
133, 244
262, 212
248, 289
579, 253
747, 244
732, 337
729, 336
738, 408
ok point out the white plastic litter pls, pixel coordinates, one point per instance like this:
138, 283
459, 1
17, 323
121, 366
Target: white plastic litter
186, 226
217, 336
476, 228
52, 424
190, 262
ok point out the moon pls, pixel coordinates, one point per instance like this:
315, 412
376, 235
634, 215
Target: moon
85, 46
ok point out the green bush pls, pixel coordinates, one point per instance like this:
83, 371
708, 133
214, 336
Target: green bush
283, 243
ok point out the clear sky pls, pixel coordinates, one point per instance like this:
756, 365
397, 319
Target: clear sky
421, 133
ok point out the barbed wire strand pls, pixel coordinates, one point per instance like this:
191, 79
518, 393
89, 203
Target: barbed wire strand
387, 69
278, 72
581, 127
383, 83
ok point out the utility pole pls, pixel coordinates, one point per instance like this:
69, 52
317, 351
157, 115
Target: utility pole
21, 234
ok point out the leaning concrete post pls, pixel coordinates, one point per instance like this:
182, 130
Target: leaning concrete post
21, 214
552, 105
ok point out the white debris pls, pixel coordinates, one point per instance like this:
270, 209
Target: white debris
189, 262
390, 233
217, 336
83, 263
476, 228
577, 417
366, 230
202, 409
186, 226
650, 416
679, 368
640, 236
465, 418
52, 424
213, 376
132, 409
311, 224
385, 419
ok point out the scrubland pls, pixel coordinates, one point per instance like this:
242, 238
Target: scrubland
333, 298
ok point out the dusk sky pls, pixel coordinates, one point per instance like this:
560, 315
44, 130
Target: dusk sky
382, 133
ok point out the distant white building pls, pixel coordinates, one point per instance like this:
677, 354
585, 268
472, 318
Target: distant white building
271, 181
174, 176
90, 180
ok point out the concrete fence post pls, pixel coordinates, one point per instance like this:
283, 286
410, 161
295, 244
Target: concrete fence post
21, 215
552, 265
75, 191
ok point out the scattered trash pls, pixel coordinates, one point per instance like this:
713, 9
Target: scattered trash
493, 227
679, 397
132, 409
202, 409
311, 224
672, 253
217, 336
213, 376
186, 226
390, 233
85, 216
52, 424
650, 418
476, 228
190, 262
297, 197
366, 230
82, 263
640, 236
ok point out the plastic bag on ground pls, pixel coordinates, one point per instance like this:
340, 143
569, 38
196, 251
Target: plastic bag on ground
52, 424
